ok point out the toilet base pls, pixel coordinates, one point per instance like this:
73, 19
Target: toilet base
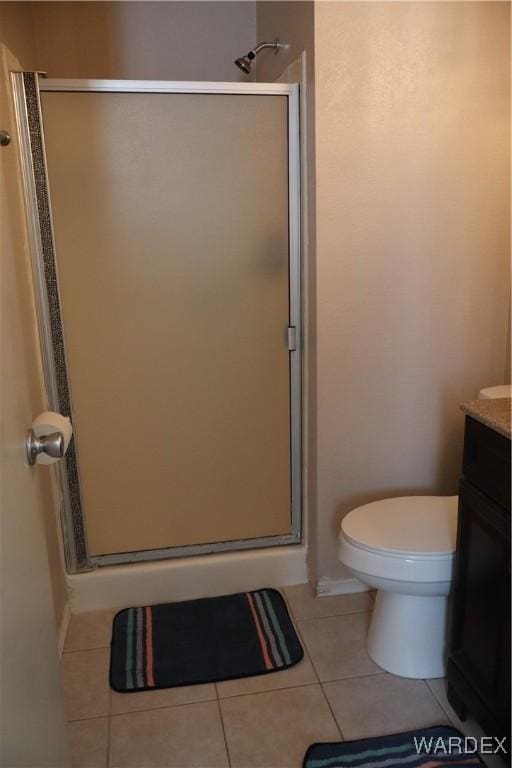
407, 634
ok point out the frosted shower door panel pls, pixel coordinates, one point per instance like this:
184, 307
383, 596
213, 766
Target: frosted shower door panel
171, 228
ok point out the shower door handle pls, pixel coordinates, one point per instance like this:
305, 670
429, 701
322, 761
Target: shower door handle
292, 338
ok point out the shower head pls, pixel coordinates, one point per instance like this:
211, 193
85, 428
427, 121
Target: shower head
244, 62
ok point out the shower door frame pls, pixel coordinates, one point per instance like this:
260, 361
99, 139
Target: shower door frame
27, 87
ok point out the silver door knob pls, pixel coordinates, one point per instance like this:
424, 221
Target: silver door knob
52, 445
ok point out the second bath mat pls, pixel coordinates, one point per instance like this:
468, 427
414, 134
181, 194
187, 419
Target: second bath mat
440, 746
202, 641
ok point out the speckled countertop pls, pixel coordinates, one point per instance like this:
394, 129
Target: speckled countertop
494, 413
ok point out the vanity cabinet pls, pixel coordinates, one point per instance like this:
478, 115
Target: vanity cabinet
479, 658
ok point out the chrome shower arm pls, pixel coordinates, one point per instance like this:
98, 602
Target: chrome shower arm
275, 45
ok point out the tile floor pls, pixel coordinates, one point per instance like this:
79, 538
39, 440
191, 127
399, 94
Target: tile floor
335, 693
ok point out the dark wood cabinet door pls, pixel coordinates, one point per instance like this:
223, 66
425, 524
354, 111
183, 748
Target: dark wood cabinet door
480, 642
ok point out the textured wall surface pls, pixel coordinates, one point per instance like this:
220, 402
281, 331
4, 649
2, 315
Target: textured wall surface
413, 221
16, 34
143, 40
16, 31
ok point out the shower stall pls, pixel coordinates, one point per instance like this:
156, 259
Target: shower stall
165, 226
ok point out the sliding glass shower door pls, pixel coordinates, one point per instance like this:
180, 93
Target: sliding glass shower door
174, 234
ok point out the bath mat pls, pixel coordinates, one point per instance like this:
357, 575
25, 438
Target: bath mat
202, 641
437, 746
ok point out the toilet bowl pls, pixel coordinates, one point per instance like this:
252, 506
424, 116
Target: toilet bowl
404, 547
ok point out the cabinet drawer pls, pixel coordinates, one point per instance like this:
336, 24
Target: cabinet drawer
486, 461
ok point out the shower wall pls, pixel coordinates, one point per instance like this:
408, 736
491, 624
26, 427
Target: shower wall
143, 40
16, 32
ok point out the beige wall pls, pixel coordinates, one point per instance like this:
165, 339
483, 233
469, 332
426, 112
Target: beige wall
412, 136
143, 40
293, 23
15, 32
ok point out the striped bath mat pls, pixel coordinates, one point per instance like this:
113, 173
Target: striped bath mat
426, 747
202, 641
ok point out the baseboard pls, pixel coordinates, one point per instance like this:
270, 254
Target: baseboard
63, 628
119, 586
326, 587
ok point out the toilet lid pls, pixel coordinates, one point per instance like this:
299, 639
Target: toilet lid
415, 525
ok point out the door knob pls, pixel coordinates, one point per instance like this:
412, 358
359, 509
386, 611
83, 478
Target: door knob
52, 445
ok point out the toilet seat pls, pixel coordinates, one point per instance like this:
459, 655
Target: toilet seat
410, 538
421, 526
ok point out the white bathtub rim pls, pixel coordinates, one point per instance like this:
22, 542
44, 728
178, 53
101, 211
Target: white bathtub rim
148, 583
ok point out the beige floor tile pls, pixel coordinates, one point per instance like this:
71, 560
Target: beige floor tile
306, 605
167, 697
438, 688
89, 630
468, 727
85, 683
301, 674
380, 704
337, 645
189, 736
274, 729
89, 743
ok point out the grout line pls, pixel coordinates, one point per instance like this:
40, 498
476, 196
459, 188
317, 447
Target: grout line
461, 726
336, 721
90, 717
163, 706
443, 707
109, 738
85, 650
335, 679
336, 615
111, 714
81, 650
109, 742
307, 653
297, 621
270, 690
224, 731
109, 725
355, 677
296, 617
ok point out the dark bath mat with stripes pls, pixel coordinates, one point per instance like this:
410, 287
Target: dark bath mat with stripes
426, 747
202, 641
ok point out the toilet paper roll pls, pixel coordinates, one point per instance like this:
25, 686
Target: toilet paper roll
47, 423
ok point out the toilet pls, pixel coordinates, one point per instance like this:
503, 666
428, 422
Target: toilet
404, 548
